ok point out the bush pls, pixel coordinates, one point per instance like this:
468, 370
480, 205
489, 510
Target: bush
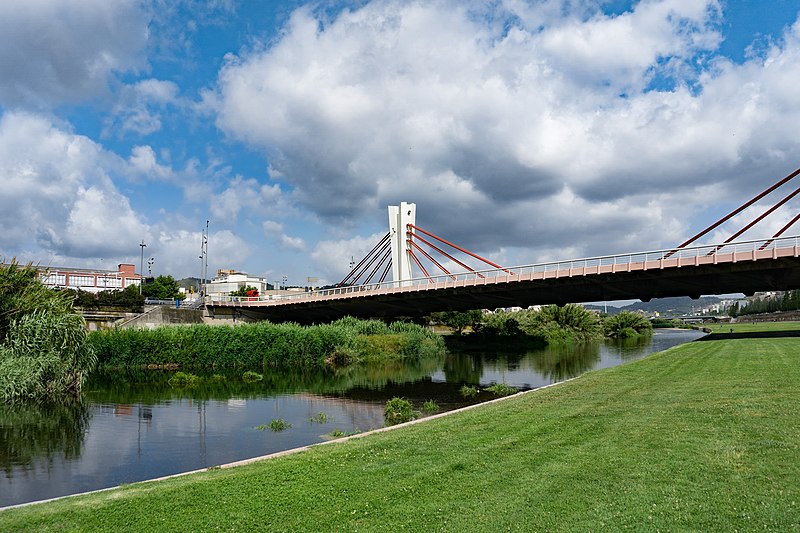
397, 411
626, 325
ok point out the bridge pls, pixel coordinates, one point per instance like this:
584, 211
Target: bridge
770, 264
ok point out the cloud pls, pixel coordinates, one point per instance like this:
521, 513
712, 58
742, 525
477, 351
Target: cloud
332, 258
142, 162
58, 192
242, 194
275, 231
515, 135
139, 107
67, 51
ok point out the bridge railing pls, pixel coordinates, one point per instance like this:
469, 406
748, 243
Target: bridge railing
659, 258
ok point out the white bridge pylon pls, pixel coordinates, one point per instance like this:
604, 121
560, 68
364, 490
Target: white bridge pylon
400, 217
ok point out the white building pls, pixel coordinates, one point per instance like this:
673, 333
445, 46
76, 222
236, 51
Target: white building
228, 281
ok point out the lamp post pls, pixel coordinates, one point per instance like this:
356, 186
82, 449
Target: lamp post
141, 266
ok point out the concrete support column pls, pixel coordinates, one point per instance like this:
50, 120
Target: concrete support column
400, 216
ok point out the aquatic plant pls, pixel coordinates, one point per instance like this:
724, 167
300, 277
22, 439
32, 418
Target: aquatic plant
430, 407
397, 411
468, 391
501, 389
184, 379
251, 377
279, 424
319, 418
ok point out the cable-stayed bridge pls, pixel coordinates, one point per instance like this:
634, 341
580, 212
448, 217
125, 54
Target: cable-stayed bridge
412, 253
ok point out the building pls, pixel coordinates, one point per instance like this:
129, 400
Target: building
90, 280
228, 281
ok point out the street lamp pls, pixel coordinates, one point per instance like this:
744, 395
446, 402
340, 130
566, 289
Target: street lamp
141, 266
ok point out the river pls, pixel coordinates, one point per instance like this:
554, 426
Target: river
134, 426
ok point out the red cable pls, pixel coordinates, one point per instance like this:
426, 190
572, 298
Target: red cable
736, 211
758, 219
445, 254
462, 249
780, 232
414, 257
434, 261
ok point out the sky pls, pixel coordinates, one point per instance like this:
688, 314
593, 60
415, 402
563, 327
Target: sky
525, 131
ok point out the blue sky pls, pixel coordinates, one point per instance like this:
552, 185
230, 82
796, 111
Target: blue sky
524, 131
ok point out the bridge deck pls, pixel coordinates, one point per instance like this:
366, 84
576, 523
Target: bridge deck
715, 269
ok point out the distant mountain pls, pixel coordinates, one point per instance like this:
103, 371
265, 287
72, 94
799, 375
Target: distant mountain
679, 306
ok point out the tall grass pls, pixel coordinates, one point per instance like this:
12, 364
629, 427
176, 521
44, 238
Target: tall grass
265, 344
43, 349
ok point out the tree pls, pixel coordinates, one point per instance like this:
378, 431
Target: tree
458, 320
242, 291
163, 288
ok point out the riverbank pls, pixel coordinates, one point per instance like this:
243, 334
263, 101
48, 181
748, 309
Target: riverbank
703, 436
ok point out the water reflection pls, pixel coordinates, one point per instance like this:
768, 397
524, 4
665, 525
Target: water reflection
34, 435
133, 425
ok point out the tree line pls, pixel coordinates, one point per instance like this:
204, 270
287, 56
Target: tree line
788, 301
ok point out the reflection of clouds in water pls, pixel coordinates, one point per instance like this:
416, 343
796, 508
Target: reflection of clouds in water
127, 443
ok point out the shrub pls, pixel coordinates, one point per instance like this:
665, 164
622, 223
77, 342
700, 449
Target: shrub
627, 324
397, 411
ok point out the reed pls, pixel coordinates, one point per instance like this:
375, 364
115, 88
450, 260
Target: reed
265, 344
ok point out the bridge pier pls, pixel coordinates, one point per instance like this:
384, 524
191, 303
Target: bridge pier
400, 217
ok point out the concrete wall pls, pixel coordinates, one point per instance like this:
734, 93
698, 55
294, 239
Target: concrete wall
163, 315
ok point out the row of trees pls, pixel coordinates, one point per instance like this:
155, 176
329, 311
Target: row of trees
789, 301
551, 323
130, 298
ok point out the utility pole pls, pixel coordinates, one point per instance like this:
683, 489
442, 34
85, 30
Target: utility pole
141, 266
203, 260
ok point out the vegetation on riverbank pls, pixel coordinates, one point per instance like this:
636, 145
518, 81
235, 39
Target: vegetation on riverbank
700, 437
43, 349
551, 324
265, 344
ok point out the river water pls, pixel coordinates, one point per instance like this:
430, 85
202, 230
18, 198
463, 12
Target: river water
134, 426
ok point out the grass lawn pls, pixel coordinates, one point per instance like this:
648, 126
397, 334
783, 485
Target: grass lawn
700, 437
743, 326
